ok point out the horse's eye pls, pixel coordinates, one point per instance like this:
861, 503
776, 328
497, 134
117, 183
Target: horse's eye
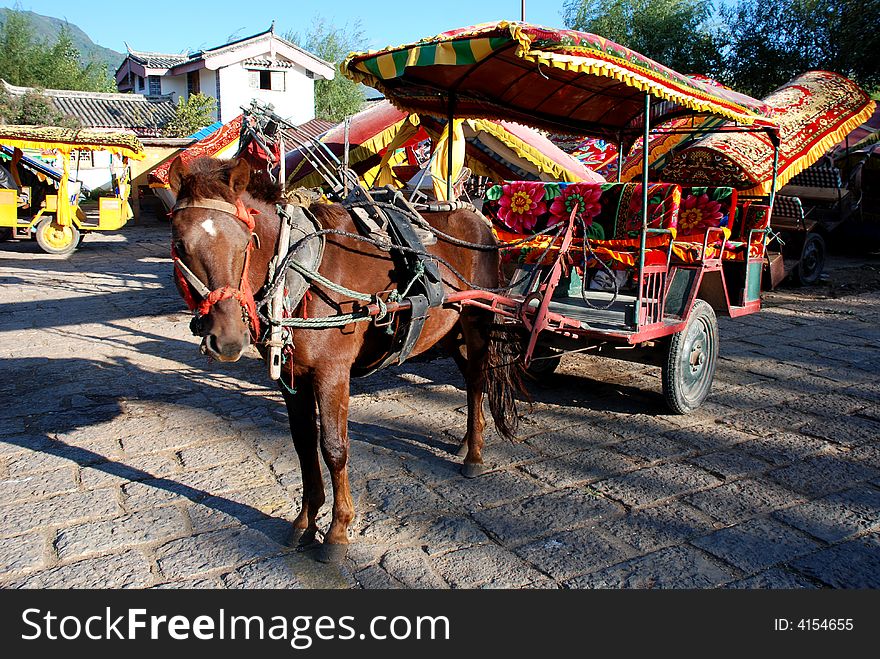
179, 247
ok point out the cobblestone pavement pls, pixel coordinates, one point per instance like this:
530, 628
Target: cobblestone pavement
128, 460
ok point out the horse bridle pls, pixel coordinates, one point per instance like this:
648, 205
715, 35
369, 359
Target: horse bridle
189, 281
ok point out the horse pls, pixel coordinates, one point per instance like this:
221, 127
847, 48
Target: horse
225, 229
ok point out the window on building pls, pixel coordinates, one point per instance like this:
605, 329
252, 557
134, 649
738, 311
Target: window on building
155, 85
192, 83
140, 83
262, 79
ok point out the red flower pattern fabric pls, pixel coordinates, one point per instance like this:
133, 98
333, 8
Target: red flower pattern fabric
520, 205
585, 195
698, 212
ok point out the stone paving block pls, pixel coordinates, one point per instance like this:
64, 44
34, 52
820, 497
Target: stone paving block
127, 570
676, 567
128, 469
769, 421
121, 533
562, 441
650, 529
853, 564
846, 430
710, 437
639, 488
757, 544
412, 567
214, 454
774, 578
217, 512
374, 577
656, 448
489, 490
783, 448
522, 521
819, 475
228, 477
730, 464
837, 516
445, 533
57, 456
24, 552
191, 556
743, 499
401, 497
567, 554
486, 566
61, 510
277, 572
38, 486
582, 467
212, 583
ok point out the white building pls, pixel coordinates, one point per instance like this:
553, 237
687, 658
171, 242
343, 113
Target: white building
263, 67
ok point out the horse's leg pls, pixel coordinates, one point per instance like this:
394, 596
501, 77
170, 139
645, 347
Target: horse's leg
301, 413
475, 328
332, 393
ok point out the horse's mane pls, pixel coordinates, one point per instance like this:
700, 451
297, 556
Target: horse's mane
208, 178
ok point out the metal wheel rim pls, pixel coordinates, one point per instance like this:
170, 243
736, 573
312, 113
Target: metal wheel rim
811, 259
696, 360
57, 237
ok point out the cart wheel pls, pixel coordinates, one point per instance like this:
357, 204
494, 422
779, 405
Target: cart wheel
55, 239
544, 362
690, 364
812, 262
5, 233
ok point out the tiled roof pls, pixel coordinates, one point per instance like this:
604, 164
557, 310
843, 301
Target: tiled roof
145, 115
158, 60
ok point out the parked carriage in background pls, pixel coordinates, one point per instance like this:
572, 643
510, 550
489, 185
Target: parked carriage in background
815, 111
57, 221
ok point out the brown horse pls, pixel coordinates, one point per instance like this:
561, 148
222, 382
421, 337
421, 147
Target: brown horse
229, 250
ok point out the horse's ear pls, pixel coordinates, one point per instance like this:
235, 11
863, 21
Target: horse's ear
175, 175
240, 176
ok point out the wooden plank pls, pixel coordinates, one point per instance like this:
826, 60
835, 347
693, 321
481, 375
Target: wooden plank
814, 194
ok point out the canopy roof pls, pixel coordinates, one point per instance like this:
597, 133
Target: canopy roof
497, 149
559, 80
68, 139
815, 110
220, 143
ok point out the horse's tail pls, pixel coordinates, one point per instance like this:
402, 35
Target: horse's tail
504, 377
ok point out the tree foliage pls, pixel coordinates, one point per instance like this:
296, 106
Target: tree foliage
770, 42
191, 115
338, 98
752, 45
30, 62
676, 33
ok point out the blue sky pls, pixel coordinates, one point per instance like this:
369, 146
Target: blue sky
165, 26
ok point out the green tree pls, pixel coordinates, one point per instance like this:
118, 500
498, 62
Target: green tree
338, 98
677, 33
772, 42
28, 62
191, 115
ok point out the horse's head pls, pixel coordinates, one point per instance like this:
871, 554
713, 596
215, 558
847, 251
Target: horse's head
212, 234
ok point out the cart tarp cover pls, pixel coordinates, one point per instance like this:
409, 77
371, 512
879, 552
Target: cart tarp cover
69, 139
497, 149
815, 111
558, 80
221, 143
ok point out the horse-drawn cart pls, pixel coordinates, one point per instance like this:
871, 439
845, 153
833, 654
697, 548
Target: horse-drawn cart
632, 271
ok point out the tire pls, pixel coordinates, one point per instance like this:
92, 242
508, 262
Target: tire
5, 233
812, 261
690, 363
54, 239
544, 362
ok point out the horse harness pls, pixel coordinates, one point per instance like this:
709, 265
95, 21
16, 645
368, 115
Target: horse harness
388, 227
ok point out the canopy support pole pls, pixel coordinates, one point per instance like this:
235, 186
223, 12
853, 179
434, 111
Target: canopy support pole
774, 139
644, 232
449, 119
619, 157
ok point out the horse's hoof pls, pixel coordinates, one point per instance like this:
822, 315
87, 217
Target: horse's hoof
462, 450
473, 469
332, 553
301, 538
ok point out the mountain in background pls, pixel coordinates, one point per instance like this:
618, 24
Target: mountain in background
46, 29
